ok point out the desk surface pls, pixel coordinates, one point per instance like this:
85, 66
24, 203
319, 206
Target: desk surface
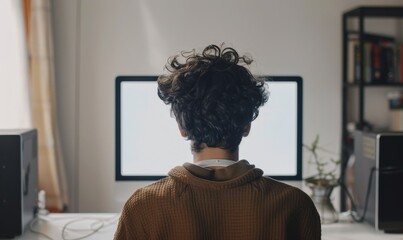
81, 223
352, 231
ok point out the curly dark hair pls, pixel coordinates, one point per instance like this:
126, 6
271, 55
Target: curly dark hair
212, 95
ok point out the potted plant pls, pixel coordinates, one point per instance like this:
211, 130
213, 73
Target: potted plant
324, 181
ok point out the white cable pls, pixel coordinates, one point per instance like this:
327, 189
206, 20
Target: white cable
65, 227
103, 223
31, 228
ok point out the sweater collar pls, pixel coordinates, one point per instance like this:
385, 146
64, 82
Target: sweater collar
214, 163
234, 175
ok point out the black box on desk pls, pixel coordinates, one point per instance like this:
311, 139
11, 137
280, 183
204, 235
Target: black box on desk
18, 180
381, 154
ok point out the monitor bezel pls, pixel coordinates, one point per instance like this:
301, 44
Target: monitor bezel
121, 79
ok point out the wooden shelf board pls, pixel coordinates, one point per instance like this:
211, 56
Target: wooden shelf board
389, 11
399, 84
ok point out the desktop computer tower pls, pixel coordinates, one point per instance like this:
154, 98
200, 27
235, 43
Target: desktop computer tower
382, 155
18, 180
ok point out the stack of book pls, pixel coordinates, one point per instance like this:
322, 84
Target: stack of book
382, 61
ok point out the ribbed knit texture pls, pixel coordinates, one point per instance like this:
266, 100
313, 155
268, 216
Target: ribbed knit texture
235, 202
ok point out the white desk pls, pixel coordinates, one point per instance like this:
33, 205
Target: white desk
54, 223
355, 231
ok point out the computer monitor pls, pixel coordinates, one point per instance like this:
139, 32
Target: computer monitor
148, 142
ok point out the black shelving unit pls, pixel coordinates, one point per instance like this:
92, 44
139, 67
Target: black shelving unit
360, 13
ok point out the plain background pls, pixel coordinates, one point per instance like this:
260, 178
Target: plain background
96, 40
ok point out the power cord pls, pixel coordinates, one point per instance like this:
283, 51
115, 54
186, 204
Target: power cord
32, 229
102, 223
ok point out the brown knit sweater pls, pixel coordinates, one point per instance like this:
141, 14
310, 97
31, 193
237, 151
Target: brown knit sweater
234, 202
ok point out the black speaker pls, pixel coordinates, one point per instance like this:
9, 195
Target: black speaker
18, 180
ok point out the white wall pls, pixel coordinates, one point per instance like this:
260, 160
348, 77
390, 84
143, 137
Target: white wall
65, 24
96, 40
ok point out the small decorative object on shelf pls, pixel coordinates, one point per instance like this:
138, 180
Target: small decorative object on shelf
323, 182
396, 110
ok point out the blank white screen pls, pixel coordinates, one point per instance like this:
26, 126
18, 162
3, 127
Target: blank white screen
151, 144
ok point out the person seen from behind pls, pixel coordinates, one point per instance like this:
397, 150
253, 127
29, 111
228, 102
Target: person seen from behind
214, 99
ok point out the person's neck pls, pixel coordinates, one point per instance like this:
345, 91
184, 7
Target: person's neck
215, 153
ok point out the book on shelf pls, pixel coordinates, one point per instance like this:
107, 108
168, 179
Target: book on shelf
387, 69
382, 59
367, 62
399, 62
375, 63
351, 60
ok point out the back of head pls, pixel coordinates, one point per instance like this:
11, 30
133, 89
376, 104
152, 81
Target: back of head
212, 95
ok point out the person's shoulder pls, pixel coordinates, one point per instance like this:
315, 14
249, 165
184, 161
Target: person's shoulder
287, 191
156, 190
159, 191
302, 216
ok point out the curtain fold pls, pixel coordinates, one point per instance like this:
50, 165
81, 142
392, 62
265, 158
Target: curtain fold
52, 176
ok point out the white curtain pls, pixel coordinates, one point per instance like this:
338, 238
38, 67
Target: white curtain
52, 176
15, 109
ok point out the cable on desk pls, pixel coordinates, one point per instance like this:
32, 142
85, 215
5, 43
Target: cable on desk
32, 229
95, 230
101, 222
